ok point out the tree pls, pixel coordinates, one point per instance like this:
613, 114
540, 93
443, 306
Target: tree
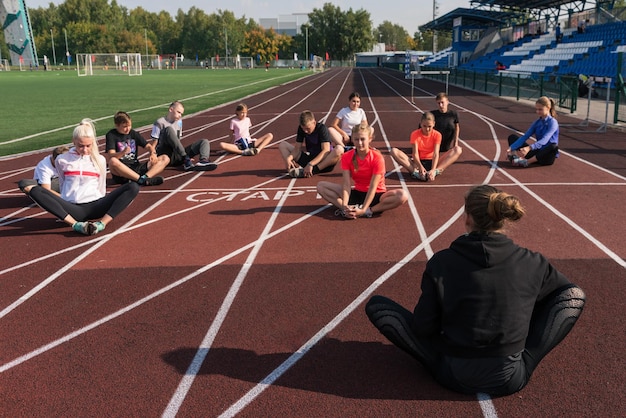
339, 34
395, 37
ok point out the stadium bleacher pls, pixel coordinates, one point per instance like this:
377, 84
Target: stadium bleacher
589, 53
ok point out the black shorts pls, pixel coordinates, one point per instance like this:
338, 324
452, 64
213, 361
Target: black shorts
357, 198
305, 158
137, 166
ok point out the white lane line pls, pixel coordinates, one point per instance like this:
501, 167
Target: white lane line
347, 311
296, 356
150, 297
203, 350
78, 259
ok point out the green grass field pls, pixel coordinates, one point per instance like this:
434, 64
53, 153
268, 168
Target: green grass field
42, 108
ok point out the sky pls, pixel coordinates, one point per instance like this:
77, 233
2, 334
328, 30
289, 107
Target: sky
407, 13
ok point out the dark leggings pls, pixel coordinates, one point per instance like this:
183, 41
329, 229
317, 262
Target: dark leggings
112, 204
545, 155
552, 320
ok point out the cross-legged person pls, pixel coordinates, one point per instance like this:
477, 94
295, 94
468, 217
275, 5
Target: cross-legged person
83, 202
168, 130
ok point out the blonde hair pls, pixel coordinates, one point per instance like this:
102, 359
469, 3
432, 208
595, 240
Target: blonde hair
87, 129
549, 103
369, 131
491, 208
427, 116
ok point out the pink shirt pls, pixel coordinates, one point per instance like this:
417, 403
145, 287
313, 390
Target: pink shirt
241, 128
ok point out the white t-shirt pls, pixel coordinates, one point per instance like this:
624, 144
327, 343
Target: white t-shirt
45, 171
350, 118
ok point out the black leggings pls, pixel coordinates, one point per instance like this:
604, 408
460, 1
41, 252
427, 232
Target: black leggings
112, 204
545, 155
552, 320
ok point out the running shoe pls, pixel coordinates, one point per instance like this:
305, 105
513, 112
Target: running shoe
297, 172
205, 165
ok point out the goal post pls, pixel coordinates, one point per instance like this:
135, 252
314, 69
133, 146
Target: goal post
235, 62
108, 64
318, 64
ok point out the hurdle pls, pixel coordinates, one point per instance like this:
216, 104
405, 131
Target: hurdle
585, 122
419, 75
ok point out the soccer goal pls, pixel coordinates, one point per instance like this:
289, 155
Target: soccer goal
108, 64
4, 65
318, 64
235, 62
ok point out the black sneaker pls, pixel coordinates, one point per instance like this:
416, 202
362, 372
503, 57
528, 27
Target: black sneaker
153, 181
188, 165
205, 165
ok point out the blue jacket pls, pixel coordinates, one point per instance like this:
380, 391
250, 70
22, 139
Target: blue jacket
545, 130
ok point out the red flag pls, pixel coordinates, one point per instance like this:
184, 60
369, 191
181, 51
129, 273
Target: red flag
276, 57
327, 56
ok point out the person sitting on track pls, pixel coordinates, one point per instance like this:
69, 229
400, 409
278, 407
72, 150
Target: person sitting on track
46, 174
447, 123
546, 131
425, 156
243, 144
348, 117
365, 166
168, 130
121, 145
82, 180
489, 311
312, 153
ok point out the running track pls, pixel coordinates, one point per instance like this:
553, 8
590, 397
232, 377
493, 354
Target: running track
238, 292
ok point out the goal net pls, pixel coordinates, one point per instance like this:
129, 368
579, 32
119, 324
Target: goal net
317, 63
152, 62
231, 62
4, 65
108, 64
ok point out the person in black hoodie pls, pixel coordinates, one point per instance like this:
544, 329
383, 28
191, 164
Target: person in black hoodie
489, 310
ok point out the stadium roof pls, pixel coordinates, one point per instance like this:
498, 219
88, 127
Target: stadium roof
500, 12
526, 5
470, 17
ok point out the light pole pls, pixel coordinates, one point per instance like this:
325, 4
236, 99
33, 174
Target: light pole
145, 34
306, 28
67, 51
226, 39
54, 54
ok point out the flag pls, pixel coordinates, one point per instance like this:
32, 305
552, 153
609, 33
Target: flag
327, 58
276, 57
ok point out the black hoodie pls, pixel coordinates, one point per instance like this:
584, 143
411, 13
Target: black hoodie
478, 295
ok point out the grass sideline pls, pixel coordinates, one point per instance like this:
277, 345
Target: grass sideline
45, 106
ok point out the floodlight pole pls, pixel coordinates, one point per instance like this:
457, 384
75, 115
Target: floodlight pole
67, 50
306, 28
54, 54
145, 34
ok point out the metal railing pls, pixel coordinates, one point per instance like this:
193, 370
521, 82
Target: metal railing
563, 89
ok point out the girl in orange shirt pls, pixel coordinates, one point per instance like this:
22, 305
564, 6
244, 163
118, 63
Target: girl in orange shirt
425, 142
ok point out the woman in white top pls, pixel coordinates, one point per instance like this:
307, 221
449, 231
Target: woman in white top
82, 180
348, 117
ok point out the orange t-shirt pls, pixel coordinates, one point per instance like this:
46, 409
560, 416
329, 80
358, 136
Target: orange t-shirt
425, 144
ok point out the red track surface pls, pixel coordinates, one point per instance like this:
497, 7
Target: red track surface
239, 292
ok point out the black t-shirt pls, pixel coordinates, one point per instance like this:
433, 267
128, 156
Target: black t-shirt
118, 142
313, 142
446, 123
